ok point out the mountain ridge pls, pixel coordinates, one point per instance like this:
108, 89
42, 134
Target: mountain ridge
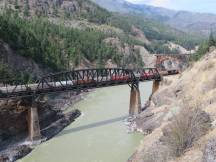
181, 20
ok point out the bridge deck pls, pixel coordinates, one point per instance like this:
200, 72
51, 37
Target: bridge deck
77, 80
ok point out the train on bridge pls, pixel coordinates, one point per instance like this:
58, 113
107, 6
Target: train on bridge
78, 80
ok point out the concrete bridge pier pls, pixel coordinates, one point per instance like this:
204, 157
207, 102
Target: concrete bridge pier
155, 87
33, 123
135, 101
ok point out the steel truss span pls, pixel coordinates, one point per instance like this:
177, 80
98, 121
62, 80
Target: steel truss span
77, 80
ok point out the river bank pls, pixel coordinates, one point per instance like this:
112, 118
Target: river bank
53, 119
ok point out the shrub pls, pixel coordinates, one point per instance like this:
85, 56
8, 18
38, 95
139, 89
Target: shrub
203, 49
188, 126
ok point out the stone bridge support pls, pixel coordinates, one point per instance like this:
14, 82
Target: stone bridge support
135, 101
155, 87
33, 123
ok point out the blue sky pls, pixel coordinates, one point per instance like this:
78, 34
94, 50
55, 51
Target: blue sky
190, 5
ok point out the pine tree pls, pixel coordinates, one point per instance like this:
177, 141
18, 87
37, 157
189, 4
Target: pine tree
16, 4
26, 9
55, 10
5, 5
211, 40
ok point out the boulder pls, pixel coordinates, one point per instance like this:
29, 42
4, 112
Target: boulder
209, 154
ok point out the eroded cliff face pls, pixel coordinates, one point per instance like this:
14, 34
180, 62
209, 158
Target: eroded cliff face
181, 100
52, 7
170, 62
18, 63
14, 141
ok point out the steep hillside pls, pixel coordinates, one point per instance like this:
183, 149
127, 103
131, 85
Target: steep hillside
55, 46
86, 10
59, 8
12, 63
59, 46
123, 6
199, 23
61, 35
150, 20
180, 123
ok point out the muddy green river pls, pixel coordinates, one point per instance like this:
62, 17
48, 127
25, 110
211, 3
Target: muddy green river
99, 135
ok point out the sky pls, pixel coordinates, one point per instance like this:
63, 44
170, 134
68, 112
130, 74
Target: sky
208, 6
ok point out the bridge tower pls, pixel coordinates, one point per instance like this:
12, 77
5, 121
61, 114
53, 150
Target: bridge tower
135, 101
33, 122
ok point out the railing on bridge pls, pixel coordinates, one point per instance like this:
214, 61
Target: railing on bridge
77, 80
85, 79
147, 74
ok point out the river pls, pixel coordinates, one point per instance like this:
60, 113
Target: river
99, 135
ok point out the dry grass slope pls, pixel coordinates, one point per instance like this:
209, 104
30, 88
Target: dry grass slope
187, 127
183, 117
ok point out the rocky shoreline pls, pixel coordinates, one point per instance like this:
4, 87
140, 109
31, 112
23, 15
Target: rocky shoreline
179, 125
151, 118
20, 150
53, 120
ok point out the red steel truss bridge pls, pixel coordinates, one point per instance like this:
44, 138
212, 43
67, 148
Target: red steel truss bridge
77, 80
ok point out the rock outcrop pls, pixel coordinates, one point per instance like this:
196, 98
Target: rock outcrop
209, 154
52, 8
139, 35
19, 63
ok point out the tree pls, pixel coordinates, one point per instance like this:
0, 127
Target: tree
211, 40
16, 5
26, 9
55, 10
